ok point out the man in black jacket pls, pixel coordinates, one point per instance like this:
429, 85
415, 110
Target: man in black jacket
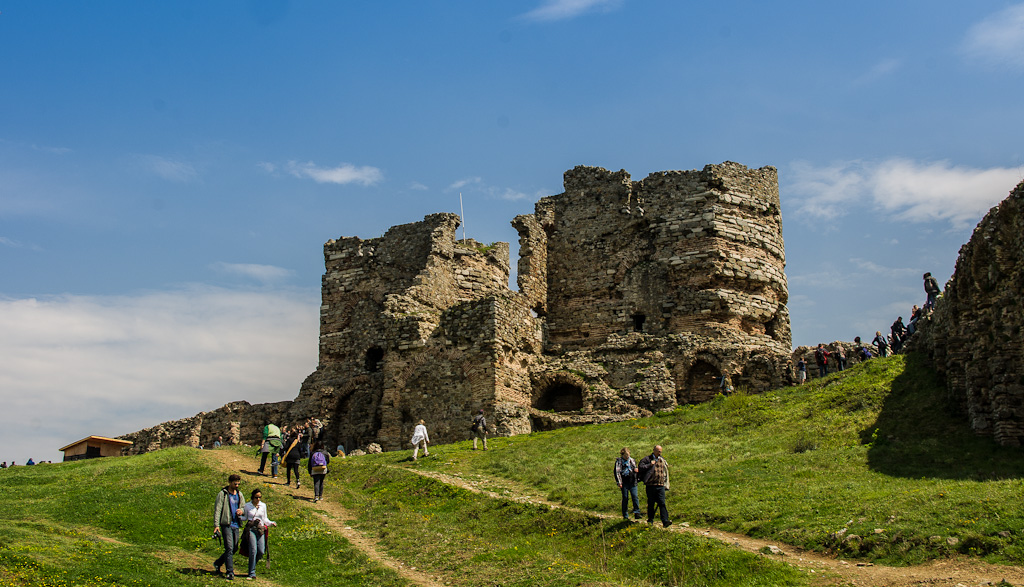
654, 473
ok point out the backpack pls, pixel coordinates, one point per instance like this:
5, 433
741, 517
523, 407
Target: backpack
319, 460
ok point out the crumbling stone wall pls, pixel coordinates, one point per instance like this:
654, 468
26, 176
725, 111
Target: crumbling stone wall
635, 297
678, 252
975, 336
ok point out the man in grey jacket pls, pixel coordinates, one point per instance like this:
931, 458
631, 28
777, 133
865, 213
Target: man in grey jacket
227, 517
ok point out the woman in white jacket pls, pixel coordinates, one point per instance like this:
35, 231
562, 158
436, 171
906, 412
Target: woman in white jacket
420, 438
255, 529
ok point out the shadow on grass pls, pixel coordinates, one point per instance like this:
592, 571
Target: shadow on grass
194, 572
921, 432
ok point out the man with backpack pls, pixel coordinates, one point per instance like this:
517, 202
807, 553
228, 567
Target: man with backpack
271, 447
625, 471
932, 290
227, 523
653, 470
317, 468
479, 429
821, 358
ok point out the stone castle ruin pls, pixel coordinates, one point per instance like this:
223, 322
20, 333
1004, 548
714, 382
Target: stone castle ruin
975, 336
634, 297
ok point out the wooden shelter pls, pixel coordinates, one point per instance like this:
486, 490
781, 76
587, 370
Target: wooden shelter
92, 447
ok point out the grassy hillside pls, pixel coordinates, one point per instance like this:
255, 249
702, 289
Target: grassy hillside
148, 521
874, 452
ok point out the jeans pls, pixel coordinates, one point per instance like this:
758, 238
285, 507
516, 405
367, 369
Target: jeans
273, 463
318, 485
626, 493
230, 536
257, 548
656, 499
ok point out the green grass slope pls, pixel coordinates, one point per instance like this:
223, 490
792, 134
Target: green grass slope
868, 463
148, 521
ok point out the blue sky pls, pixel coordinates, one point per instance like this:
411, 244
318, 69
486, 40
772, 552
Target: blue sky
169, 172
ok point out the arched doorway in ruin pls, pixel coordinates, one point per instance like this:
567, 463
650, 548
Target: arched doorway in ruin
560, 396
703, 381
558, 392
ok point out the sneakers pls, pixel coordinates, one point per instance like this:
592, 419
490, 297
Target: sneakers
297, 485
636, 515
666, 524
253, 576
230, 577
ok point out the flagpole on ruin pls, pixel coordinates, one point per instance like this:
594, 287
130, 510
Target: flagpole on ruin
462, 213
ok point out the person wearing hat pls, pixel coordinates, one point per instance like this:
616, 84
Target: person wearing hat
479, 428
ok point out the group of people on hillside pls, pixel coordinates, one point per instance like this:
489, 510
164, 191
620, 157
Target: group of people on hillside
835, 360
244, 526
652, 471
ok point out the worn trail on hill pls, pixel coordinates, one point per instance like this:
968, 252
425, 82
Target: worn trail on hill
333, 515
954, 572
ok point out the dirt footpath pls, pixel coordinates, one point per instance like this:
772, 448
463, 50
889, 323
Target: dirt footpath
335, 516
955, 572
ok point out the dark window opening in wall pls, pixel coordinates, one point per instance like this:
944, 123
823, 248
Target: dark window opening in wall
638, 322
374, 356
560, 397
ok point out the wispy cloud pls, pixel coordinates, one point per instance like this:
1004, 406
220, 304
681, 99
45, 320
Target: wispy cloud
167, 168
998, 39
879, 70
871, 267
342, 174
552, 10
419, 187
457, 185
907, 190
51, 150
77, 365
262, 273
16, 244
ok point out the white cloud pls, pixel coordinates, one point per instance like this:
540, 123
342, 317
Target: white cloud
418, 186
907, 190
513, 195
342, 174
16, 244
879, 70
78, 365
52, 150
876, 269
263, 273
998, 39
169, 169
552, 10
464, 182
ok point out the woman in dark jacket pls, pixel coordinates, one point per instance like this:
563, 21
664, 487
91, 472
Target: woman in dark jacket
317, 467
293, 456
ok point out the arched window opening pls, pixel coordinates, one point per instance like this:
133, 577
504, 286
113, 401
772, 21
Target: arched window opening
560, 397
702, 383
374, 357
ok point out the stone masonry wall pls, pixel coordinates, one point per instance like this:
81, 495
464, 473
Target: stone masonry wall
975, 337
634, 297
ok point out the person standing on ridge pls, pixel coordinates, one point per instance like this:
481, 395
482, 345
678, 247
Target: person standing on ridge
654, 473
479, 429
932, 289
